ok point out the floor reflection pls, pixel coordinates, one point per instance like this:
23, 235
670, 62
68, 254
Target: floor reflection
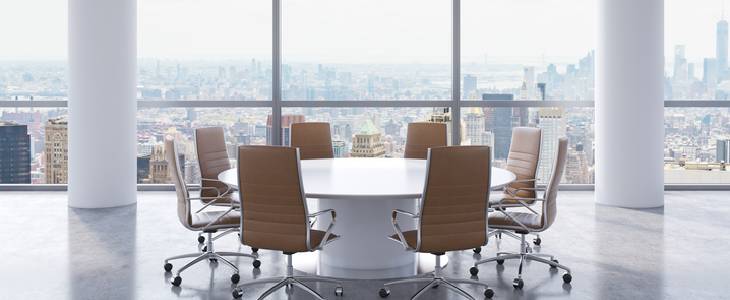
102, 254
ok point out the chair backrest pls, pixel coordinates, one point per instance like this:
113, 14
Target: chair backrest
273, 203
524, 158
550, 209
424, 135
455, 197
183, 197
313, 140
210, 144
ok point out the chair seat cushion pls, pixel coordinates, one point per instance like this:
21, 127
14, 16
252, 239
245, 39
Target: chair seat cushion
316, 236
410, 236
498, 220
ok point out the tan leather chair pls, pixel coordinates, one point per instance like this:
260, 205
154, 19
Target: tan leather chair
524, 223
424, 135
275, 214
313, 140
453, 213
204, 221
210, 145
522, 160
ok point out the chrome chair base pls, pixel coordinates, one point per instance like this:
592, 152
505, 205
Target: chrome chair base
289, 282
435, 280
208, 252
524, 254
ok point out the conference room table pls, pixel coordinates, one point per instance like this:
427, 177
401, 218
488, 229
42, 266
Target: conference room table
364, 192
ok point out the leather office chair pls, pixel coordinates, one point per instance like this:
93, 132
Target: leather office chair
275, 214
453, 213
313, 140
522, 160
524, 223
210, 145
424, 135
207, 222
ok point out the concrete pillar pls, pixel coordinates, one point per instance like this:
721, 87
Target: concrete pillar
102, 107
629, 103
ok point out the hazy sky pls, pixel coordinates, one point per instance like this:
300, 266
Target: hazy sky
356, 31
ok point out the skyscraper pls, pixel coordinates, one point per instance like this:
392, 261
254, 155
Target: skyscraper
367, 142
56, 150
710, 73
500, 124
470, 87
14, 153
442, 115
552, 124
286, 121
474, 120
723, 151
722, 47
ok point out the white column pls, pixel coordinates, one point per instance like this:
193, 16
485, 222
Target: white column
102, 107
629, 103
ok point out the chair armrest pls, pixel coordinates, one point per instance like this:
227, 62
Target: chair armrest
228, 188
398, 230
521, 201
327, 232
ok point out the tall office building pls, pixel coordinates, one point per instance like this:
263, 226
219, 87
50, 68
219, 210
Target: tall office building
500, 123
552, 123
577, 169
528, 80
680, 63
474, 122
722, 47
367, 142
710, 72
56, 150
339, 148
723, 151
286, 121
442, 115
158, 172
14, 153
470, 87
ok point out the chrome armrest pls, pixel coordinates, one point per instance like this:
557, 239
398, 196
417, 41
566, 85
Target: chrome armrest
521, 201
327, 232
396, 226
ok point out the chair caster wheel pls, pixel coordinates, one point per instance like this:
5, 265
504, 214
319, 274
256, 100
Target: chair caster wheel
474, 271
168, 267
567, 278
256, 263
237, 293
488, 293
478, 250
500, 261
517, 283
176, 281
537, 241
201, 239
339, 291
235, 278
204, 249
555, 261
384, 293
435, 286
254, 250
213, 260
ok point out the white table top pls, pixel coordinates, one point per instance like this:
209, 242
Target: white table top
366, 178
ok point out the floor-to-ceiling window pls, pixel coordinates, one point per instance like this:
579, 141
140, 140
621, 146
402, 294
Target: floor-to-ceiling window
481, 66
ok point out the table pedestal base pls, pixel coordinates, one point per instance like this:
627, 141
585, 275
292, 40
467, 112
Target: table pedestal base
310, 263
364, 249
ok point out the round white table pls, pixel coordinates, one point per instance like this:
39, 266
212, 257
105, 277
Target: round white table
364, 192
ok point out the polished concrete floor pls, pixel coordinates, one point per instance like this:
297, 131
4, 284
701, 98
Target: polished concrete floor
51, 251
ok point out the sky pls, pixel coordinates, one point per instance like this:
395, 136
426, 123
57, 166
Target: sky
355, 31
